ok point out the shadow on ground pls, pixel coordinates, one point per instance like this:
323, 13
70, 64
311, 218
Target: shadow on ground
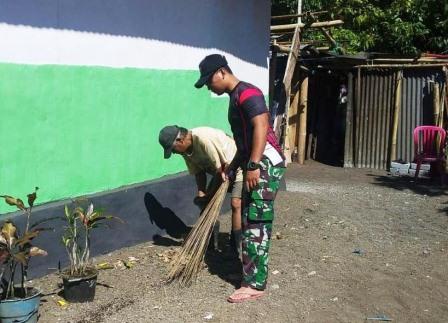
224, 262
422, 186
221, 262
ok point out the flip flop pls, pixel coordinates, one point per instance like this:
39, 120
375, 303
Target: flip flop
248, 297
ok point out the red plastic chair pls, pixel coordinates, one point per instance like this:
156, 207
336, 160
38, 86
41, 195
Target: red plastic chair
429, 144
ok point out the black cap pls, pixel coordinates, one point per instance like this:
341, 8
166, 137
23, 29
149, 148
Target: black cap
209, 65
167, 136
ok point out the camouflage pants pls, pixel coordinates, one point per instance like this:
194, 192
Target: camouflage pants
258, 214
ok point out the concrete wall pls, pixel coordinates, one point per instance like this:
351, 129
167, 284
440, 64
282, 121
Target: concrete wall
85, 86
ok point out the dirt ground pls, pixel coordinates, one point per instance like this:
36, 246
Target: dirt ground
352, 245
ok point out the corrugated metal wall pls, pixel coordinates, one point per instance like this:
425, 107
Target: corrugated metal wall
373, 106
373, 110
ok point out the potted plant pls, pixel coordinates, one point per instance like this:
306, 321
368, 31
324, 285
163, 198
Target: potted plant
18, 303
79, 279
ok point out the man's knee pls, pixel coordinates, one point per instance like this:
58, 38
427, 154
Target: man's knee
235, 204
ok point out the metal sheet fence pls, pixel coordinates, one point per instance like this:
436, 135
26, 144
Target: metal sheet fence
374, 98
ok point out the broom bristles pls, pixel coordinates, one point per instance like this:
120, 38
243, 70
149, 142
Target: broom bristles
187, 262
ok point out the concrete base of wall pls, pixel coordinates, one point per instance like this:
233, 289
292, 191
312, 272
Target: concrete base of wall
153, 211
149, 211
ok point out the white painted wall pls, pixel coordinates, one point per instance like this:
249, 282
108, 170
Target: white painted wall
169, 34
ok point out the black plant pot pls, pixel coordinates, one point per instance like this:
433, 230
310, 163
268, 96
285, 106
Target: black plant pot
80, 289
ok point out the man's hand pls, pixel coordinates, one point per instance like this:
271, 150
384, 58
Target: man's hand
227, 172
252, 177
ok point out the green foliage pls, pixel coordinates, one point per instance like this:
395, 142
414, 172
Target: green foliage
394, 26
80, 221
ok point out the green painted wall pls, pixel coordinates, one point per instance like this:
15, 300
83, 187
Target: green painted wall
78, 130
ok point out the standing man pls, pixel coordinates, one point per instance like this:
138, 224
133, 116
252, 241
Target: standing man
207, 151
262, 161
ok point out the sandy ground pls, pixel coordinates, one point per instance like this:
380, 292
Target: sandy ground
354, 244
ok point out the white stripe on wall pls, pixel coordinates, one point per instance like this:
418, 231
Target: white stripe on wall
29, 45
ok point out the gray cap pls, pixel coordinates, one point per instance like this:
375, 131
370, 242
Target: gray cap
167, 136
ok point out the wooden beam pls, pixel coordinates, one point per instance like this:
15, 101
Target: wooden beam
319, 24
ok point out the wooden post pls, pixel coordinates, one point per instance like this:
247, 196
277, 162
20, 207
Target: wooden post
302, 120
397, 109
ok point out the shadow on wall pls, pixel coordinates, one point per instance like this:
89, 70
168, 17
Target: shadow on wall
225, 24
164, 218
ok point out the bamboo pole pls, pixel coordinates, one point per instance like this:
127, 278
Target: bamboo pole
436, 103
331, 23
281, 48
326, 34
348, 147
286, 49
287, 79
401, 66
293, 119
397, 109
296, 15
302, 120
357, 135
442, 107
436, 109
445, 70
272, 73
411, 60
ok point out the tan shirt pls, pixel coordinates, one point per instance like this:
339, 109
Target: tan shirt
211, 149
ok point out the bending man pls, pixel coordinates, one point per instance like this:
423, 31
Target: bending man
207, 150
